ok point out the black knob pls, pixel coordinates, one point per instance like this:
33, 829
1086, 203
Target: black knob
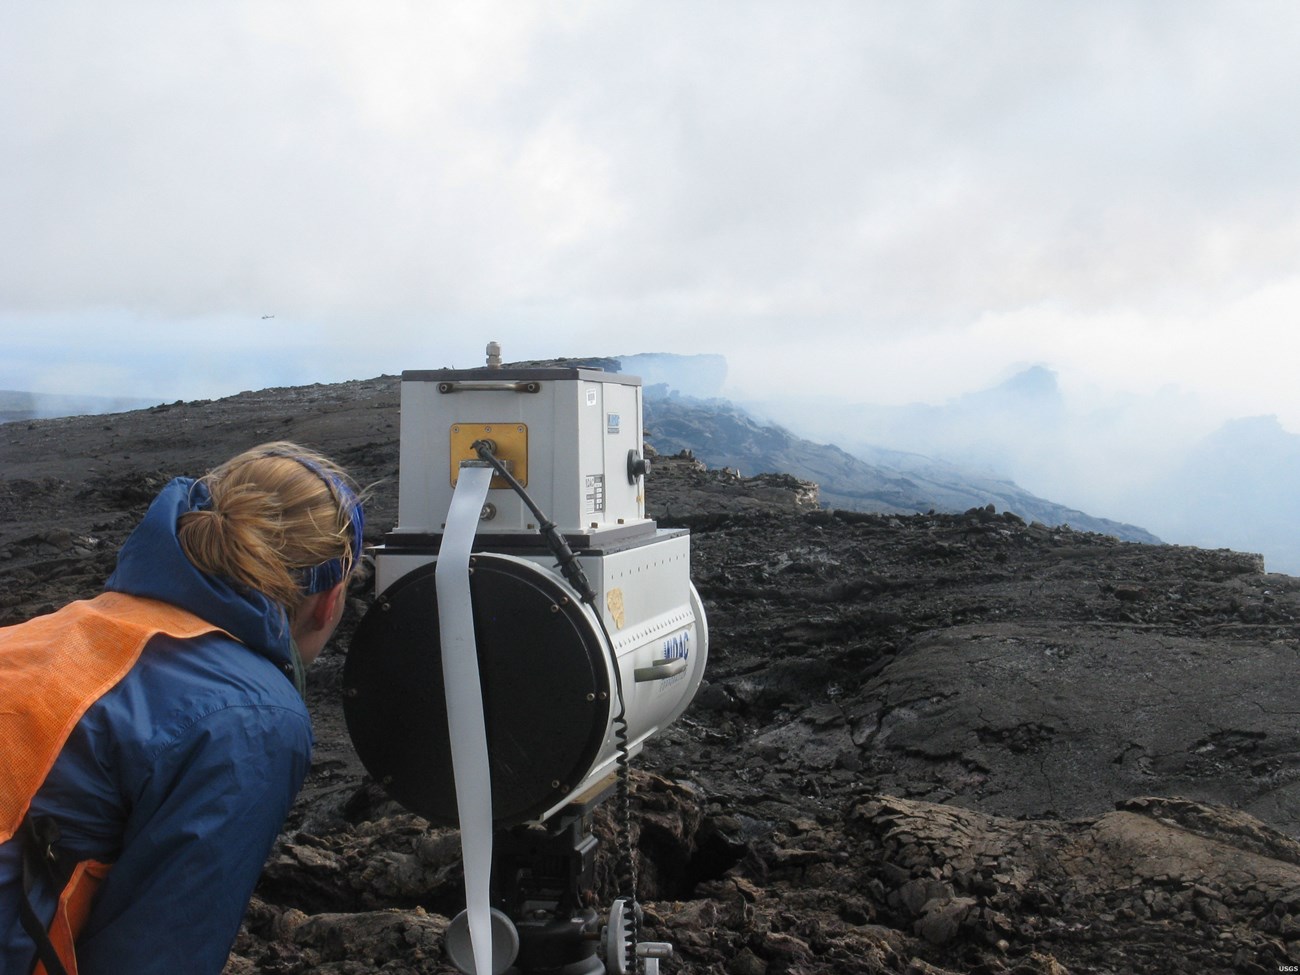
637, 466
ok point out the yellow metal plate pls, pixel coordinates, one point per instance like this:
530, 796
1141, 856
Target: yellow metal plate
511, 441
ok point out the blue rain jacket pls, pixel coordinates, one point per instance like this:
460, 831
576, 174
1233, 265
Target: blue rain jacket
181, 775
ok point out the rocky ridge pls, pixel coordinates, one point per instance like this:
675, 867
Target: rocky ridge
927, 744
727, 435
889, 482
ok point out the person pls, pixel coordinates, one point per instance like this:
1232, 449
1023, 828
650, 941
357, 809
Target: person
154, 737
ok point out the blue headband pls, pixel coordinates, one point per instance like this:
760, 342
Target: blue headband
327, 575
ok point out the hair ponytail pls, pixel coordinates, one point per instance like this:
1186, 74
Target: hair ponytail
283, 521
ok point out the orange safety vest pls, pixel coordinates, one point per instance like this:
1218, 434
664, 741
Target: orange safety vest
52, 669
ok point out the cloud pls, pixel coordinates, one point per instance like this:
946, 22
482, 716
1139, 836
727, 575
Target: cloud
915, 194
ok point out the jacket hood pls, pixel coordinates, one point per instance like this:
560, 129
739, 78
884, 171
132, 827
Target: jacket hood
153, 565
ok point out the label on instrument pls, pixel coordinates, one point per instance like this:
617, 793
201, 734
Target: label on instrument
594, 493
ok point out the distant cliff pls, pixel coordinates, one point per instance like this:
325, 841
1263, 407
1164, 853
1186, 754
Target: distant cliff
724, 435
1157, 460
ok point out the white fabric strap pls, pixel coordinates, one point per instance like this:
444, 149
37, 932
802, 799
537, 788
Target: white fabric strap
468, 731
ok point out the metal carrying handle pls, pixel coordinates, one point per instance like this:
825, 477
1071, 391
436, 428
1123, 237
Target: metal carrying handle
489, 385
660, 670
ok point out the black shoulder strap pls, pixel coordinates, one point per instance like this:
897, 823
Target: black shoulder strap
38, 838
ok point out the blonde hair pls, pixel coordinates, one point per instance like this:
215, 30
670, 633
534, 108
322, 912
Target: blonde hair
276, 511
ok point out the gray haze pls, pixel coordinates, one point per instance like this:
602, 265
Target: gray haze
1143, 461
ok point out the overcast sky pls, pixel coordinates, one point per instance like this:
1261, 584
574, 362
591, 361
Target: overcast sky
882, 201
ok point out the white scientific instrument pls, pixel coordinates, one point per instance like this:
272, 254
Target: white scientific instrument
532, 628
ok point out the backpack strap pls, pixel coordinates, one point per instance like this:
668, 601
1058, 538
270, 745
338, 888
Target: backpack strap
39, 860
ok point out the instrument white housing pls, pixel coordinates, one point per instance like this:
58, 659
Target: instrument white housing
580, 425
579, 447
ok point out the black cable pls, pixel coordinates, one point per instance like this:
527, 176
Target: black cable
572, 570
555, 540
